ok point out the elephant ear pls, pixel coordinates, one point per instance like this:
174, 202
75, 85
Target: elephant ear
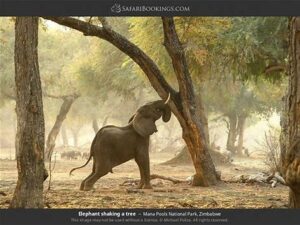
167, 114
144, 126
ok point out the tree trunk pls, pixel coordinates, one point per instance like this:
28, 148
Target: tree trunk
64, 136
188, 109
201, 113
95, 125
241, 129
64, 109
232, 132
182, 103
290, 131
30, 117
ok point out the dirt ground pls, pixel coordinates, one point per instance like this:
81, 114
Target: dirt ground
109, 192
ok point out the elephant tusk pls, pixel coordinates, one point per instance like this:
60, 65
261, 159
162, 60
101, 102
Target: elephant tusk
168, 99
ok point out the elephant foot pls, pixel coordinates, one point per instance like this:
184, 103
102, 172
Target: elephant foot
147, 186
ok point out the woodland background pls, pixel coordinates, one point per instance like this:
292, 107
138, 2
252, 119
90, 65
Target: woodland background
238, 69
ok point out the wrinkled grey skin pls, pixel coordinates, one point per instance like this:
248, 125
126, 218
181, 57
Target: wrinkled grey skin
114, 145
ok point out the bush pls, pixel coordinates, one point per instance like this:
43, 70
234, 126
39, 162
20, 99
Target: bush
270, 146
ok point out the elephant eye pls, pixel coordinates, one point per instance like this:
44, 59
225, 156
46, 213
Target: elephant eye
157, 110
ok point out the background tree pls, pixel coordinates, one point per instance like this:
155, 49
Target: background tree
238, 101
64, 109
246, 52
246, 62
115, 78
58, 78
30, 117
58, 84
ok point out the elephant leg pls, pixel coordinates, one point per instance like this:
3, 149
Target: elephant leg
142, 160
147, 176
91, 180
142, 175
83, 182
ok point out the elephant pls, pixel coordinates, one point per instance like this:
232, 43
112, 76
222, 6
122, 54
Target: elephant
114, 145
71, 155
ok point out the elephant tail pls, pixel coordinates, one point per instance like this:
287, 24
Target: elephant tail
89, 159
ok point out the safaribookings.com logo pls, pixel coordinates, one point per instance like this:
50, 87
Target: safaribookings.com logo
117, 8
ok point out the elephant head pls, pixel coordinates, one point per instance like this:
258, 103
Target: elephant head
143, 120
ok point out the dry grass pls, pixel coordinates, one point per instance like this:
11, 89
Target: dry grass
109, 194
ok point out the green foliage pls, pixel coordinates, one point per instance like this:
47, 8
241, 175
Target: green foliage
109, 67
105, 65
243, 98
238, 83
251, 45
59, 52
197, 34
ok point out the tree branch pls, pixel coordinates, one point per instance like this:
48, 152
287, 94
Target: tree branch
275, 68
151, 70
155, 176
176, 52
104, 23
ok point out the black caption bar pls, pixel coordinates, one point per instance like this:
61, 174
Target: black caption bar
149, 7
150, 216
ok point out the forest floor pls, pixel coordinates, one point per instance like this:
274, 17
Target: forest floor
110, 193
